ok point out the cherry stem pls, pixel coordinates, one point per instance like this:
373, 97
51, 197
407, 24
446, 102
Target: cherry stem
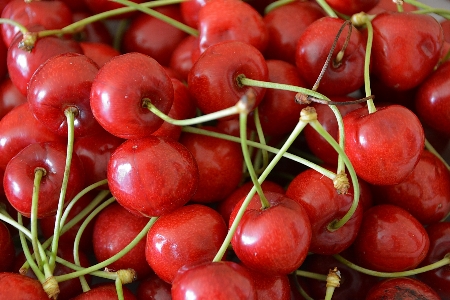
119, 289
431, 149
301, 290
333, 281
159, 16
248, 161
262, 140
311, 275
70, 115
440, 263
74, 27
19, 26
38, 174
118, 34
425, 9
276, 4
5, 217
327, 8
399, 4
335, 225
290, 140
233, 110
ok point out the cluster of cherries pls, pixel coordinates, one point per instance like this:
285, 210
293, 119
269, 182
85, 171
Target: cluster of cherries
224, 149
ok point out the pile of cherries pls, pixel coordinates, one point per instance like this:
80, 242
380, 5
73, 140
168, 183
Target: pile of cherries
224, 149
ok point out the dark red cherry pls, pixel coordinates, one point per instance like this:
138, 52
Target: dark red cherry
213, 80
16, 286
196, 231
285, 25
417, 38
118, 91
10, 97
313, 47
61, 84
153, 288
105, 291
383, 146
7, 249
271, 287
351, 7
152, 176
189, 11
231, 20
140, 35
390, 240
99, 52
402, 288
191, 282
185, 55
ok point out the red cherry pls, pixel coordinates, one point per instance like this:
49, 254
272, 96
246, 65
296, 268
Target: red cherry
3, 54
388, 5
351, 7
20, 172
118, 91
99, 52
417, 37
140, 35
7, 249
185, 55
383, 146
318, 196
153, 288
64, 83
96, 32
231, 20
271, 287
189, 11
152, 176
390, 240
106, 291
196, 231
285, 25
312, 50
213, 80
10, 97
432, 100
402, 288
226, 280
114, 229
274, 240
16, 286
99, 6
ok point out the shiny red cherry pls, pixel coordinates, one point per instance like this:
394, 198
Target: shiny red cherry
402, 288
351, 7
10, 97
16, 286
185, 55
105, 291
99, 52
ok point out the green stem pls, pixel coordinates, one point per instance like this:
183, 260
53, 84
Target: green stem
340, 123
70, 115
119, 289
399, 7
159, 16
5, 217
38, 173
431, 149
276, 4
329, 292
301, 290
370, 104
262, 140
294, 134
441, 263
19, 26
100, 274
339, 223
311, 275
118, 34
330, 12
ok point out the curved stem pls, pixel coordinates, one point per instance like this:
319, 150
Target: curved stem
100, 274
370, 104
441, 263
330, 12
340, 123
276, 4
5, 217
301, 290
431, 149
19, 26
262, 140
311, 275
38, 174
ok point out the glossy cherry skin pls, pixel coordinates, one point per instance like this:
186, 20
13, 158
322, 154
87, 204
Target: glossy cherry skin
10, 97
62, 83
213, 80
231, 20
226, 280
387, 5
16, 286
274, 240
153, 288
94, 152
219, 163
189, 11
419, 39
323, 204
49, 14
402, 288
6, 248
152, 176
140, 35
271, 287
195, 231
437, 279
19, 177
118, 91
114, 229
3, 53
105, 291
22, 64
99, 6
18, 129
185, 55
390, 240
432, 100
285, 25
313, 47
99, 52
351, 7
425, 193
383, 146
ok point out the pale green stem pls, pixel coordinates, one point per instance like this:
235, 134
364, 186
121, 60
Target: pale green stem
262, 139
38, 173
340, 123
119, 289
329, 292
431, 149
311, 275
326, 7
276, 4
19, 26
370, 104
100, 274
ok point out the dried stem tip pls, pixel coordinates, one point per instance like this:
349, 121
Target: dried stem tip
308, 114
28, 41
341, 183
334, 278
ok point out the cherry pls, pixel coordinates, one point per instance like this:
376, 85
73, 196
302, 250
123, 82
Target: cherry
115, 228
185, 54
105, 291
152, 176
425, 193
10, 97
140, 37
190, 10
100, 53
7, 249
387, 5
351, 7
271, 287
285, 25
383, 146
226, 280
96, 32
16, 286
3, 53
99, 6
432, 98
274, 240
119, 90
390, 240
418, 37
342, 76
153, 288
231, 20
318, 196
402, 288
214, 79
18, 129
50, 96
195, 231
